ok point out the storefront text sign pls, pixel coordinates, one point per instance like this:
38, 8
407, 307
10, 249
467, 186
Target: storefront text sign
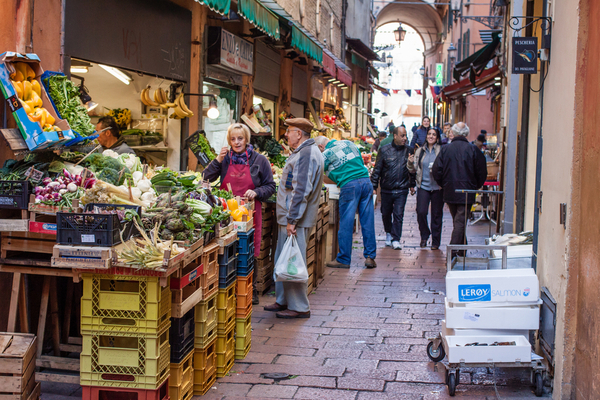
232, 52
524, 55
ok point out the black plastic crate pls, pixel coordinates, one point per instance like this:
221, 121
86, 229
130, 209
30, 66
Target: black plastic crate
191, 143
181, 336
229, 252
89, 229
227, 272
209, 236
226, 282
15, 194
245, 264
246, 242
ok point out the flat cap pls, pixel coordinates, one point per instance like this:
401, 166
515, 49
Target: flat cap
300, 123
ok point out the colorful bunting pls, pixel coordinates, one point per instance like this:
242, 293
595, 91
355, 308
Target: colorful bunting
408, 92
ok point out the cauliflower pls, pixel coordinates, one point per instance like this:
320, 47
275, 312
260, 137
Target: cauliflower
110, 153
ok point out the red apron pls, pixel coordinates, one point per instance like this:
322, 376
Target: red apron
238, 176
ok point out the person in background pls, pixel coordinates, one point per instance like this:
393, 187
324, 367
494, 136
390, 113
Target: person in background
345, 167
418, 138
392, 173
297, 207
428, 191
459, 166
414, 128
110, 137
480, 141
249, 174
446, 133
380, 136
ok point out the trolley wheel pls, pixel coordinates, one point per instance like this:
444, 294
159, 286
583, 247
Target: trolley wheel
452, 384
436, 355
539, 384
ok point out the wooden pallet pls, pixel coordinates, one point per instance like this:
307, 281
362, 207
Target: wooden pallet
14, 221
17, 248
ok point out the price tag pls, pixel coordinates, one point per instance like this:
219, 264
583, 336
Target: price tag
34, 176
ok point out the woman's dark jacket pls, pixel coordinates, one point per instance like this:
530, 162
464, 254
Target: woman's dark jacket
419, 137
260, 171
391, 171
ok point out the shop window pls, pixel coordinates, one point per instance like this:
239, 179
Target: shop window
216, 129
268, 107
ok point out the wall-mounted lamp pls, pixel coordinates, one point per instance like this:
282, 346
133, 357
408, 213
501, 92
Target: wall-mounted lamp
213, 111
399, 33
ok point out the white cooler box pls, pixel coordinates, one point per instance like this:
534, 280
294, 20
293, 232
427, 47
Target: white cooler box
475, 316
493, 286
457, 352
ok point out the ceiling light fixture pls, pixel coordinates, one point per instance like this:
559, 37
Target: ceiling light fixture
117, 73
213, 111
79, 70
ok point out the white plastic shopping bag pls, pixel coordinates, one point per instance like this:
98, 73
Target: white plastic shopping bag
290, 266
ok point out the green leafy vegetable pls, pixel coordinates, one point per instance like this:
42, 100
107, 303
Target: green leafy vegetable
65, 95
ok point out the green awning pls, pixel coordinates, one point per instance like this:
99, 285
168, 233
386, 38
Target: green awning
260, 16
219, 6
359, 61
306, 45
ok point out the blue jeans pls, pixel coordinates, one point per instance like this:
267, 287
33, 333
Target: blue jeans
356, 195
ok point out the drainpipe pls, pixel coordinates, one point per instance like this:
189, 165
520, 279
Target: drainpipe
318, 18
538, 164
344, 11
301, 7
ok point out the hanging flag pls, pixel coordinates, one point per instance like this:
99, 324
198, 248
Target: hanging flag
418, 91
408, 92
432, 90
437, 89
395, 91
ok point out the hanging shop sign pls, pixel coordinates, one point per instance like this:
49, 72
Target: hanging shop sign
439, 74
524, 55
105, 32
229, 51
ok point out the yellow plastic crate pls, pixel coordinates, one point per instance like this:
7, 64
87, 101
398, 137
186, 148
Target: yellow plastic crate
125, 360
209, 335
226, 302
122, 303
241, 354
224, 326
243, 326
206, 311
205, 368
225, 351
181, 382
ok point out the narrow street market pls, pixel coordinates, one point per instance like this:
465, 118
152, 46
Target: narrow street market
282, 199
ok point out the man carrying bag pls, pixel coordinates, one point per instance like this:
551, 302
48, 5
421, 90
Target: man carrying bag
297, 207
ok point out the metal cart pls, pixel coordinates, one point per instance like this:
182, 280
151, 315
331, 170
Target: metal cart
471, 355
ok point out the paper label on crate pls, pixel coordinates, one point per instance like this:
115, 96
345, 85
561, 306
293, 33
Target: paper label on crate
6, 201
88, 238
470, 293
471, 316
193, 275
34, 176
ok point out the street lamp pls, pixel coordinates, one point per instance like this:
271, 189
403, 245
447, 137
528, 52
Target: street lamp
452, 52
389, 59
400, 33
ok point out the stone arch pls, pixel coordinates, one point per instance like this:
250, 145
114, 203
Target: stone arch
423, 18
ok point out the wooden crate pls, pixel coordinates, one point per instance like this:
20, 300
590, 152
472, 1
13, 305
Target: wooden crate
83, 257
26, 248
14, 221
17, 366
226, 240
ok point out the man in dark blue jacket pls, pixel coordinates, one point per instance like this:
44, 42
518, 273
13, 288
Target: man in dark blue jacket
460, 165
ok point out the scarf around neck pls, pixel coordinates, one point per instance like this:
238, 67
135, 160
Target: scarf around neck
243, 157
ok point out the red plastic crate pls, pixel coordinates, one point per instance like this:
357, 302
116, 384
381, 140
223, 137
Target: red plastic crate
117, 393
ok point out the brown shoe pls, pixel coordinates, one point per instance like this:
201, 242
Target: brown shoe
289, 314
370, 263
435, 247
275, 307
336, 264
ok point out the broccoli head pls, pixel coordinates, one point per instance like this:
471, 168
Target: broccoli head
109, 175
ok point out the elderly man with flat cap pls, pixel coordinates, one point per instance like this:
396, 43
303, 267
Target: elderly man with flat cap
297, 208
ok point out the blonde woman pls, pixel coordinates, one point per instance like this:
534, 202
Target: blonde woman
247, 171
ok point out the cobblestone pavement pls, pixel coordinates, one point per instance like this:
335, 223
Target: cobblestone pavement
367, 334
366, 337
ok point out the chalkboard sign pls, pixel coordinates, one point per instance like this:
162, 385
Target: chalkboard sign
151, 36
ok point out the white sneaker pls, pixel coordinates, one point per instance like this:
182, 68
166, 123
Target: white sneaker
396, 245
388, 239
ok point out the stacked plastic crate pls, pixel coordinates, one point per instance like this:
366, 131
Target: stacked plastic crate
205, 321
264, 264
226, 302
245, 272
181, 384
125, 324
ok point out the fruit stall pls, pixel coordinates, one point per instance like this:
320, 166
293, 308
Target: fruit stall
128, 275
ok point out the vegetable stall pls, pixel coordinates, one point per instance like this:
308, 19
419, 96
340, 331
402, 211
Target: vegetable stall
106, 245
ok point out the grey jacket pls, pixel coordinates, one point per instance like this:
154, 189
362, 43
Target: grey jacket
414, 168
300, 187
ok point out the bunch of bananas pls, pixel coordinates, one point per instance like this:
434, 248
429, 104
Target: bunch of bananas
159, 99
29, 92
121, 116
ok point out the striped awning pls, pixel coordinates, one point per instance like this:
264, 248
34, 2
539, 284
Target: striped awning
260, 16
219, 6
306, 45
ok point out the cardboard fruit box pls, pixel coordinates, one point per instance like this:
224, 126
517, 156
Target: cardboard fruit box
34, 135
